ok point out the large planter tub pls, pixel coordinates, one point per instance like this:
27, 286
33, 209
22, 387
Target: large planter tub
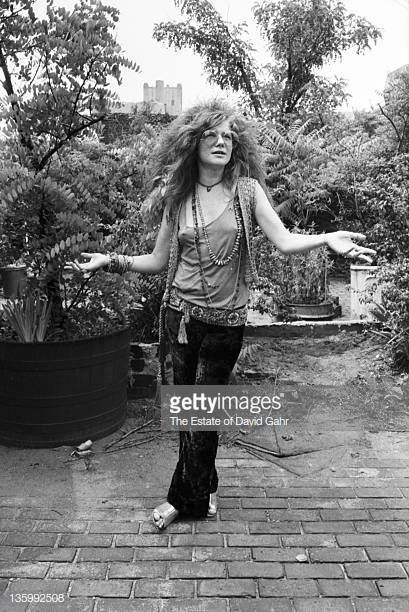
64, 392
315, 312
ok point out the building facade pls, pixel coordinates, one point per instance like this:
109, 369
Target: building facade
163, 98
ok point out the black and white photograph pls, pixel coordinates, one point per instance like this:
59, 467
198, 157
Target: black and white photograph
204, 306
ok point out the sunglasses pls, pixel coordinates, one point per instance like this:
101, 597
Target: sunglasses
211, 137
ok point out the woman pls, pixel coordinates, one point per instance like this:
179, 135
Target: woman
209, 188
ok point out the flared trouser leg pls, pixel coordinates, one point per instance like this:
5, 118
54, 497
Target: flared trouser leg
207, 359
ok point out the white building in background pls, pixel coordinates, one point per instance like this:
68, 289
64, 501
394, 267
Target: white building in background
163, 98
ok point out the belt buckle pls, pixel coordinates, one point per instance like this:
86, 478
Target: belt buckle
196, 311
233, 318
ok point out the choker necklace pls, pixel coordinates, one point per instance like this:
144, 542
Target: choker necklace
209, 187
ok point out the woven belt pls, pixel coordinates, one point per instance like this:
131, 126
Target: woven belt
213, 316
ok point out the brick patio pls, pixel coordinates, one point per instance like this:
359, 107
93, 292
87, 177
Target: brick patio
102, 554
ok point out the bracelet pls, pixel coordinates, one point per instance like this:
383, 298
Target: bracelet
118, 263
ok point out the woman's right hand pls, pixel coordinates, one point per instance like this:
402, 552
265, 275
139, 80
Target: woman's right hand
95, 261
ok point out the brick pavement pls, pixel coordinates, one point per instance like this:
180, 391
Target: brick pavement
351, 523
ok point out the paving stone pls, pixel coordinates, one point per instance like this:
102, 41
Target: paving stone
255, 569
253, 540
397, 553
381, 526
345, 514
391, 514
30, 539
60, 526
76, 604
375, 570
394, 588
140, 540
7, 553
284, 527
146, 569
197, 569
329, 527
44, 585
114, 527
164, 588
347, 588
400, 539
129, 605
259, 502
251, 514
366, 539
194, 605
213, 553
313, 570
23, 569
233, 587
380, 604
42, 553
336, 555
303, 502
287, 588
277, 554
365, 503
100, 588
266, 604
163, 554
312, 539
92, 571
12, 525
221, 527
104, 554
331, 492
377, 492
81, 540
242, 492
336, 604
202, 539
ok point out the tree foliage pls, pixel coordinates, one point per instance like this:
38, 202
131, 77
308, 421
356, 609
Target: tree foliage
56, 73
396, 108
56, 77
302, 35
224, 48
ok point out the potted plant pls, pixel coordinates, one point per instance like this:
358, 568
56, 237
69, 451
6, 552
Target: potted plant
68, 381
297, 286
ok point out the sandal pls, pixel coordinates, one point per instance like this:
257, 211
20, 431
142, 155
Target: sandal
163, 515
212, 510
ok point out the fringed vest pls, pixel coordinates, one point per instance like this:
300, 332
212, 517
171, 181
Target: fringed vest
246, 195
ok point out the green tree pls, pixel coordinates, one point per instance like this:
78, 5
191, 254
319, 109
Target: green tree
226, 53
56, 77
396, 107
301, 36
56, 73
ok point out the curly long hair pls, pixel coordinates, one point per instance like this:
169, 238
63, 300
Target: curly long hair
174, 167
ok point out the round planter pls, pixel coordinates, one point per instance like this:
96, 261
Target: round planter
14, 279
325, 310
63, 393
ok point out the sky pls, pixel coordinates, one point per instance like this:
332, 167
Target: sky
365, 74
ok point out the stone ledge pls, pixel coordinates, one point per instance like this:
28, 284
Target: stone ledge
315, 329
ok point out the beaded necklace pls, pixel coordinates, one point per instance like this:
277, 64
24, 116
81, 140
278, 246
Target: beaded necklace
213, 258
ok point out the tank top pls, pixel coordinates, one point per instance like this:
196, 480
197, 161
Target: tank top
221, 281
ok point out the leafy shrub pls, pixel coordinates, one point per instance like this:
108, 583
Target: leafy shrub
393, 312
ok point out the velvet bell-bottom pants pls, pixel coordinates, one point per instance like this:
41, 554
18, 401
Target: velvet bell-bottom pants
207, 359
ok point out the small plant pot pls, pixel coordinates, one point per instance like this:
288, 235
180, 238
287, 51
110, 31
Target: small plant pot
14, 280
325, 310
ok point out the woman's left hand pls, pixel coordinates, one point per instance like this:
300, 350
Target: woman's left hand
342, 243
